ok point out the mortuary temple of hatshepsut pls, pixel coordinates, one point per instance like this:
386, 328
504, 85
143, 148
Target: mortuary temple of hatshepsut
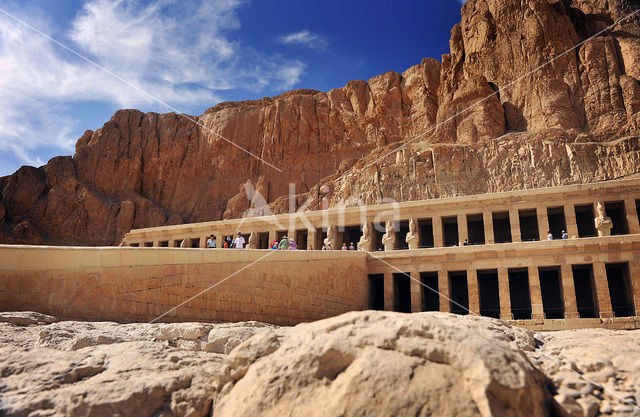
483, 254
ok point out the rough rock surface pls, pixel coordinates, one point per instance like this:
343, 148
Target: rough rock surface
572, 121
360, 363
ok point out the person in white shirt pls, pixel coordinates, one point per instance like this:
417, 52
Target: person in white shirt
549, 235
239, 242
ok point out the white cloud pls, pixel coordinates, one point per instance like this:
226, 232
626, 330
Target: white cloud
305, 38
180, 52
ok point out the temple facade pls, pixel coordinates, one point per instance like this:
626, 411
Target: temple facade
552, 258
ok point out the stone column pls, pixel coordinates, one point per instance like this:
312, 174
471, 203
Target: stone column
436, 223
388, 291
156, 243
311, 238
416, 292
537, 310
474, 293
219, 240
543, 222
463, 231
487, 219
634, 275
504, 294
514, 221
602, 290
632, 216
570, 218
203, 242
569, 293
443, 289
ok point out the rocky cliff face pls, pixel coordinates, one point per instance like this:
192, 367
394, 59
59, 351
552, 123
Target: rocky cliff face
490, 116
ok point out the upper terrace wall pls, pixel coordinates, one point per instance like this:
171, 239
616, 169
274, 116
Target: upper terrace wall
140, 284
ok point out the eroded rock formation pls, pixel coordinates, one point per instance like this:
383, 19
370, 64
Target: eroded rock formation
491, 116
359, 363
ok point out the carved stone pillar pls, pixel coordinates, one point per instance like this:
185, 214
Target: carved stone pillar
389, 238
537, 309
443, 289
487, 219
514, 221
388, 291
412, 237
503, 294
602, 290
416, 292
569, 293
474, 293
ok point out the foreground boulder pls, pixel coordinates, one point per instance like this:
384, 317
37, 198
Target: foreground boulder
386, 364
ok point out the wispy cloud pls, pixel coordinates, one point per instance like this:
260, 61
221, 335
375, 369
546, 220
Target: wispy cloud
184, 58
305, 38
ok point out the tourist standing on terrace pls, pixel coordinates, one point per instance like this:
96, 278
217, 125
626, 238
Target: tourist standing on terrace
344, 246
292, 245
351, 246
239, 242
565, 235
211, 242
549, 235
284, 243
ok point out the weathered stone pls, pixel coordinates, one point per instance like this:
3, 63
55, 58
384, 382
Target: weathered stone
26, 318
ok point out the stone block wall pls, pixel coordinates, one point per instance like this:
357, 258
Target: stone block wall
140, 284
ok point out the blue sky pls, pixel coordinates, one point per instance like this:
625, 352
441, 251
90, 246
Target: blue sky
190, 55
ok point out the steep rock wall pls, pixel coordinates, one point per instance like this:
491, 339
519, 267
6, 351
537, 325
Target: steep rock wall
491, 116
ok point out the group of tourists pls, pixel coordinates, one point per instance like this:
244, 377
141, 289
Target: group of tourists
550, 235
285, 243
237, 243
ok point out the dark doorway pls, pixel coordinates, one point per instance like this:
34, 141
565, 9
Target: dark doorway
401, 293
450, 231
377, 232
584, 220
638, 209
149, 244
402, 228
177, 243
195, 242
263, 240
134, 245
501, 227
430, 295
552, 302
376, 291
425, 227
489, 293
351, 235
557, 222
280, 234
475, 229
519, 294
586, 299
616, 211
164, 243
459, 292
620, 289
529, 225
301, 239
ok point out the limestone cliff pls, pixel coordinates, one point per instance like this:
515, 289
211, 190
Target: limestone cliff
489, 117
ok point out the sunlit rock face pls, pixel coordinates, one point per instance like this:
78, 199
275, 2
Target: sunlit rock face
496, 113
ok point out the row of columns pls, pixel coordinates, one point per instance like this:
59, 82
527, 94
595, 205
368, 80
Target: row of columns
438, 238
537, 309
